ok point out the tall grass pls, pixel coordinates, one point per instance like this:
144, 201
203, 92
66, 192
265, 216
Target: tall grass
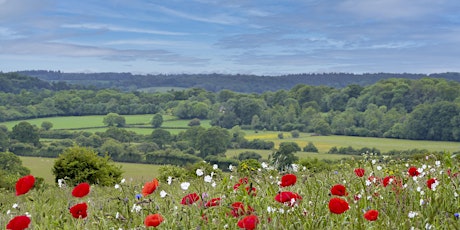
405, 203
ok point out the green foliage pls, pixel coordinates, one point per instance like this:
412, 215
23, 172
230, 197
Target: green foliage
248, 166
171, 156
213, 141
222, 162
310, 147
194, 122
11, 169
295, 133
315, 165
79, 164
46, 125
284, 157
26, 133
249, 155
161, 137
351, 151
176, 173
113, 119
157, 121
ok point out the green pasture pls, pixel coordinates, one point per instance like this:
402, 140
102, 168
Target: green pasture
95, 123
41, 167
324, 143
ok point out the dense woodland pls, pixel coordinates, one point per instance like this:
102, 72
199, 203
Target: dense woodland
216, 82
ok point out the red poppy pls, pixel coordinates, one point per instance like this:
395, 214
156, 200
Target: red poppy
239, 210
288, 180
338, 205
79, 210
81, 190
359, 172
430, 183
153, 220
241, 181
288, 198
413, 171
18, 223
449, 173
386, 180
249, 222
371, 215
24, 184
375, 180
190, 199
251, 190
213, 202
339, 190
150, 187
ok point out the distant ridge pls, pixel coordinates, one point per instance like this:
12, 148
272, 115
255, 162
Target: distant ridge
216, 82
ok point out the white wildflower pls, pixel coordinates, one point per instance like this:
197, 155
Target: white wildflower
163, 194
169, 180
428, 226
199, 172
122, 181
15, 205
213, 184
230, 167
422, 202
208, 179
368, 182
295, 167
215, 166
281, 210
412, 214
379, 167
117, 186
374, 161
61, 183
136, 208
264, 165
184, 185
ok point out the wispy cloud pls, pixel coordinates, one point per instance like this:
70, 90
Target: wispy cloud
220, 18
95, 26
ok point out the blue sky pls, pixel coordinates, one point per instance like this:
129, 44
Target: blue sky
262, 37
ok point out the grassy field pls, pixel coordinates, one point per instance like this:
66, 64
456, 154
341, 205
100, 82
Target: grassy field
95, 123
324, 143
41, 167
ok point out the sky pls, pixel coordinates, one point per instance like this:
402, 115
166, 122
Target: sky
261, 37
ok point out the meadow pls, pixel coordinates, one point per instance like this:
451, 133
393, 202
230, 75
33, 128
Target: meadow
370, 193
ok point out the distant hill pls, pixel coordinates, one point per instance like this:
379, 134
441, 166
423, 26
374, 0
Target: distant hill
15, 82
217, 82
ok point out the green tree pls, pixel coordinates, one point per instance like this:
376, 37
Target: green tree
46, 125
26, 133
157, 121
10, 169
284, 157
113, 119
4, 139
213, 141
161, 137
310, 147
79, 164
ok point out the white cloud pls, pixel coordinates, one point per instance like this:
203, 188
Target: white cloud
96, 26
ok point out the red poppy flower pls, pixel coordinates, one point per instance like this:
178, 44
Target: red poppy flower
81, 190
239, 210
213, 202
338, 205
150, 187
371, 215
413, 171
190, 199
79, 210
288, 180
430, 183
339, 190
153, 220
359, 172
249, 222
18, 223
24, 184
251, 190
288, 198
386, 180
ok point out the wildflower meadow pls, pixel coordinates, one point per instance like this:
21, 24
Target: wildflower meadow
367, 193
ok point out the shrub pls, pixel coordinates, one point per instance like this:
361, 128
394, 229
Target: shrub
79, 164
175, 172
194, 122
310, 147
249, 155
10, 169
295, 133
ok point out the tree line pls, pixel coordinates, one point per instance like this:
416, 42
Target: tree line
424, 109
